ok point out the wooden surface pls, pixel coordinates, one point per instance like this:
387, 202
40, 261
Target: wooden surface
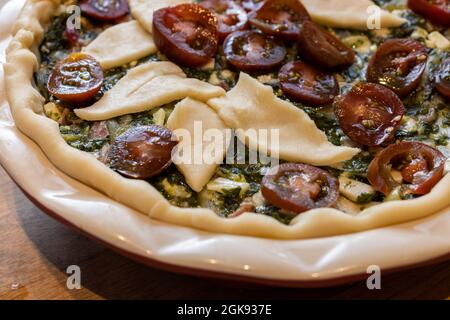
35, 252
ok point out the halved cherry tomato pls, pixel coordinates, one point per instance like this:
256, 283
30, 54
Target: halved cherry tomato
231, 17
76, 79
280, 18
398, 64
186, 34
369, 113
410, 169
304, 83
322, 48
250, 5
299, 187
437, 11
142, 152
422, 167
104, 10
442, 79
253, 51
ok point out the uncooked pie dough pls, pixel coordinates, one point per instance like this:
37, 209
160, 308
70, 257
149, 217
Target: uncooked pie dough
352, 14
147, 86
121, 44
251, 105
205, 141
153, 84
142, 10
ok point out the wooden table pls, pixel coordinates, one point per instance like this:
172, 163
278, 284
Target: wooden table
35, 252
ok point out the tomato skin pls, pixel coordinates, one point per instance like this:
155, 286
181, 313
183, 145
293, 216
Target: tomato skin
399, 65
106, 10
304, 83
231, 17
142, 152
176, 30
76, 79
438, 13
265, 52
323, 49
442, 79
280, 18
369, 113
411, 169
286, 187
423, 177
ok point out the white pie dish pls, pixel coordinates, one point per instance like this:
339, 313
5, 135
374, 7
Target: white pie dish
297, 263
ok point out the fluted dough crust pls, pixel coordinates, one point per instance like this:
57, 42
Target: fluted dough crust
121, 44
26, 106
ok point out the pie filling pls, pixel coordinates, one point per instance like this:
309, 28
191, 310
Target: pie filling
400, 106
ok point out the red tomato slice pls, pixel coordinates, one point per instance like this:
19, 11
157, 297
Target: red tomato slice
304, 83
422, 168
299, 187
323, 49
142, 152
76, 79
104, 10
399, 65
437, 11
186, 34
281, 18
369, 114
253, 51
231, 17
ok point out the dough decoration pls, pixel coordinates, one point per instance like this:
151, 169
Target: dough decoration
251, 105
145, 87
121, 44
198, 157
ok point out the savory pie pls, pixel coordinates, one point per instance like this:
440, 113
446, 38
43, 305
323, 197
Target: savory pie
343, 102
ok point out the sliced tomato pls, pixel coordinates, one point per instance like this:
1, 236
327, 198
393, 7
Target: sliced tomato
369, 113
231, 17
437, 11
304, 83
442, 79
281, 18
76, 79
253, 51
186, 34
299, 187
142, 152
250, 5
422, 168
323, 49
104, 10
399, 65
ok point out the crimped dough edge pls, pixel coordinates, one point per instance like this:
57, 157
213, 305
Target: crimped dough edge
26, 105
